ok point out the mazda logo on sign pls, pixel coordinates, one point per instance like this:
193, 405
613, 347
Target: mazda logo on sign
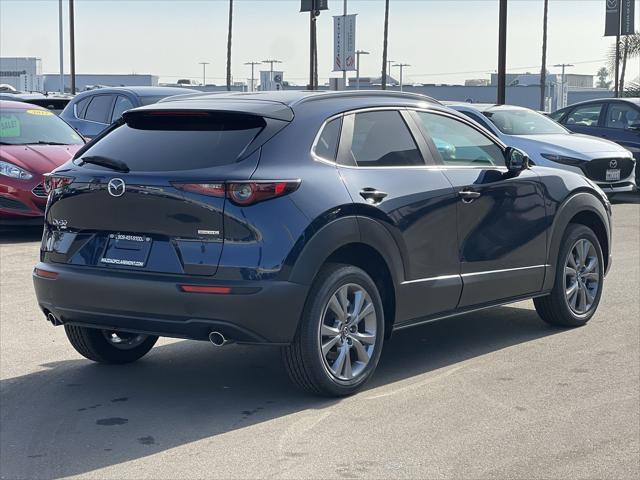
612, 4
613, 163
116, 187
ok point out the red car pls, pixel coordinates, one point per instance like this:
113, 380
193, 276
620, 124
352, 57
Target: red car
33, 141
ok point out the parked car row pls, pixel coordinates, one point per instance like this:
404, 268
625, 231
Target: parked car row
567, 139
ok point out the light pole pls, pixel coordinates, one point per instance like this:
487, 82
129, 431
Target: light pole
253, 64
358, 53
61, 41
401, 65
204, 71
389, 62
502, 53
563, 65
72, 47
271, 61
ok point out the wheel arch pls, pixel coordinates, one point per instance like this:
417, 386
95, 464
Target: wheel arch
582, 208
359, 241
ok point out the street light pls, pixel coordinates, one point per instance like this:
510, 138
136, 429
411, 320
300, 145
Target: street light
204, 70
358, 53
271, 61
401, 65
253, 64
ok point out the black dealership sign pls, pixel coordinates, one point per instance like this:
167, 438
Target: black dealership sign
627, 17
619, 18
307, 5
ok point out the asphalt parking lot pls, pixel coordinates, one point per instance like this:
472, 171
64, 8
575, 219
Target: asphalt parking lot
495, 394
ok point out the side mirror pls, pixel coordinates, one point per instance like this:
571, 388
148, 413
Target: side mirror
635, 126
517, 160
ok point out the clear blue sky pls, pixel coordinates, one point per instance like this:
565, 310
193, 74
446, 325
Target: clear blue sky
444, 41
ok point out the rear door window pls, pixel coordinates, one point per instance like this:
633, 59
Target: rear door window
99, 109
382, 139
167, 143
622, 116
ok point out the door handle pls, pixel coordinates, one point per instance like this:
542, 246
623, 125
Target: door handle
468, 196
372, 195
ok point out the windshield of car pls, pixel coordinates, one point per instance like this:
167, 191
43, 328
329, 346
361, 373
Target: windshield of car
522, 122
35, 126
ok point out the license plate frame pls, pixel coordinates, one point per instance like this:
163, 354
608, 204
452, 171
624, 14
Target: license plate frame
125, 250
612, 175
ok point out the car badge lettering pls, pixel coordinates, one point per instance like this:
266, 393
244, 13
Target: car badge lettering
116, 187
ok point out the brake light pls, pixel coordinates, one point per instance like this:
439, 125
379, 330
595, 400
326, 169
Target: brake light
211, 189
243, 193
54, 182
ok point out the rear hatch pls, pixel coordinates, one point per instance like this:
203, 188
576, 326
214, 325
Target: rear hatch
143, 196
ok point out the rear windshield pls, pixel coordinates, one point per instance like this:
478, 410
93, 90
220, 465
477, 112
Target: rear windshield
35, 126
168, 143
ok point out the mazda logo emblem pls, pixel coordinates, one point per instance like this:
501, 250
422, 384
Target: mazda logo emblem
613, 163
612, 4
116, 187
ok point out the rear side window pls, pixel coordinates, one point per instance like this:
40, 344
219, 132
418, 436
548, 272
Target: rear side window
99, 109
327, 144
81, 107
168, 143
382, 139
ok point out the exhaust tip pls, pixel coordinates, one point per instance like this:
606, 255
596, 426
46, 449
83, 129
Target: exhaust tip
218, 339
53, 319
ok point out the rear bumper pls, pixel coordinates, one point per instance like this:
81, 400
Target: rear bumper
263, 312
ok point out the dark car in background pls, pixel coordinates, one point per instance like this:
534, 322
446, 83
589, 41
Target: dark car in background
33, 141
616, 119
92, 111
53, 102
317, 222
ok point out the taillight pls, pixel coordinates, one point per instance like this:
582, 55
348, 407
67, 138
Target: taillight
243, 193
53, 182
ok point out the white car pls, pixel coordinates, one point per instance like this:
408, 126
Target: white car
549, 144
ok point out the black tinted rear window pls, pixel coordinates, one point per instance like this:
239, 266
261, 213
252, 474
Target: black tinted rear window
168, 143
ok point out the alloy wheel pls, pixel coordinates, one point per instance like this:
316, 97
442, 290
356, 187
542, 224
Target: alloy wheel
348, 332
582, 276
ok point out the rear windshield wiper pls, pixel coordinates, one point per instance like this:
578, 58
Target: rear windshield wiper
106, 162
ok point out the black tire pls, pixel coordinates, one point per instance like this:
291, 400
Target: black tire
554, 308
304, 360
93, 344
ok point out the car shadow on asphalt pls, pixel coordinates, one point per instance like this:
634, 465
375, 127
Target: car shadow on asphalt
20, 235
73, 417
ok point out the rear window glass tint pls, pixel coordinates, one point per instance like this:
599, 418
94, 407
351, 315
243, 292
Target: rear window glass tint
327, 143
99, 108
173, 143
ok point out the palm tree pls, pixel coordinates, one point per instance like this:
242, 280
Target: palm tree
543, 69
229, 45
384, 45
629, 50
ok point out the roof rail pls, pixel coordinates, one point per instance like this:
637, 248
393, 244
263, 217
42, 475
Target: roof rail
364, 93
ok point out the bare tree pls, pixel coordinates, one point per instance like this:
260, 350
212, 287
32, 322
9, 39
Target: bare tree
543, 69
229, 45
384, 45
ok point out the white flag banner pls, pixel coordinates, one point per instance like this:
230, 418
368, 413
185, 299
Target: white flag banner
344, 42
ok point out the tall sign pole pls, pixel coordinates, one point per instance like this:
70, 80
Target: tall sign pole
344, 14
502, 54
61, 42
253, 64
619, 20
72, 48
384, 45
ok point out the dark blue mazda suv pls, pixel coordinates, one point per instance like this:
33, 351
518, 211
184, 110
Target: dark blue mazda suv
318, 222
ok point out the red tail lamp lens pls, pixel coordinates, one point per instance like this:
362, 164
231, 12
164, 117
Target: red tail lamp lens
45, 273
242, 193
205, 289
248, 193
211, 189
